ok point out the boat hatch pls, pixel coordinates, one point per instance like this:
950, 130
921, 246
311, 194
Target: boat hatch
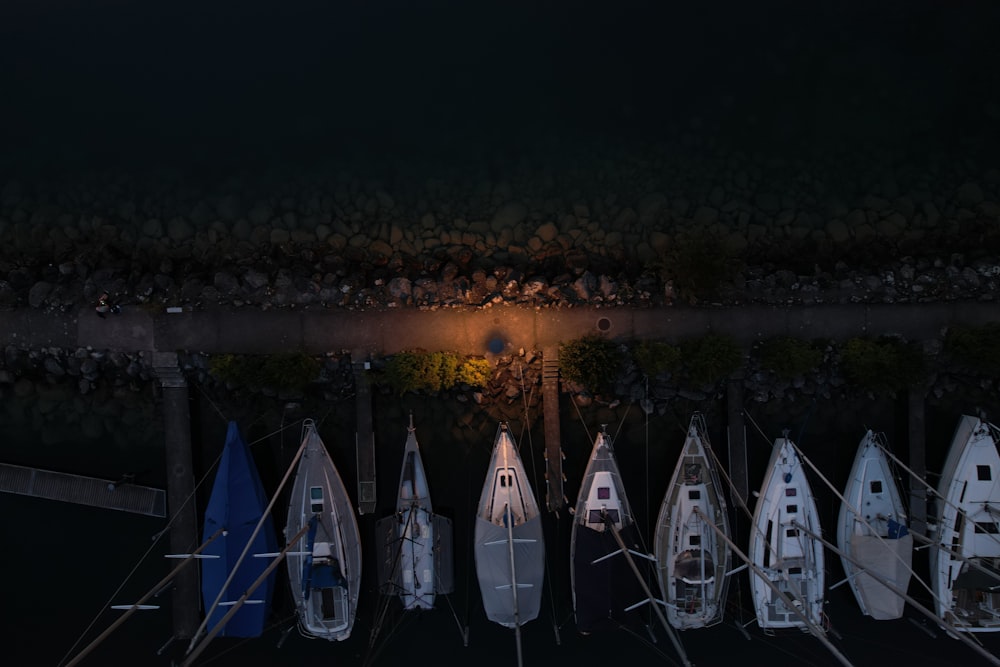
316, 499
987, 527
603, 492
791, 509
791, 491
694, 494
876, 486
597, 516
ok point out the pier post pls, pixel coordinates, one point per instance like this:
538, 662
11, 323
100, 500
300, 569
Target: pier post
180, 490
554, 496
364, 438
917, 439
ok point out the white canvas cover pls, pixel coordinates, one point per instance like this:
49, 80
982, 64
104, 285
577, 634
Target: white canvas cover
883, 560
494, 570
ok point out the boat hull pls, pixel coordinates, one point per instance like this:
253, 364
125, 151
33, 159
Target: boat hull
509, 545
966, 563
871, 531
789, 558
692, 558
603, 583
236, 505
324, 568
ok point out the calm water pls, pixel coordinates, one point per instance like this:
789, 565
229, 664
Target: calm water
96, 549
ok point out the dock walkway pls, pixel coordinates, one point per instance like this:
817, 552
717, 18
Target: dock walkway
83, 490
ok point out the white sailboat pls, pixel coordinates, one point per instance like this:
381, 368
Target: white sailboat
692, 559
871, 531
965, 565
416, 561
790, 559
509, 545
324, 568
603, 585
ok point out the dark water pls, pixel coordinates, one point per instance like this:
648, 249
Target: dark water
95, 549
215, 88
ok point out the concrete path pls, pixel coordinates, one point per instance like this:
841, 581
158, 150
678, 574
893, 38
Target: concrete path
495, 330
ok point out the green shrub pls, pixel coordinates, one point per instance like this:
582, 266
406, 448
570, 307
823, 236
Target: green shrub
975, 348
710, 358
592, 361
655, 357
789, 357
418, 370
289, 371
883, 364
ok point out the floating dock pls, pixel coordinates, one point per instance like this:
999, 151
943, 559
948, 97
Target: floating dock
81, 490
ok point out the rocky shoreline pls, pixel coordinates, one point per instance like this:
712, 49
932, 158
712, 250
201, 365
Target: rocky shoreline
621, 229
700, 228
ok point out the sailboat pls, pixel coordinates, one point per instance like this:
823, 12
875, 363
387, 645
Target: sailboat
692, 559
603, 584
236, 505
509, 546
324, 568
790, 559
872, 532
416, 558
965, 563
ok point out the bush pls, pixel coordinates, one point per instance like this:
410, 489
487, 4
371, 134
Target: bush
418, 370
884, 364
710, 358
592, 361
789, 357
288, 371
655, 357
975, 348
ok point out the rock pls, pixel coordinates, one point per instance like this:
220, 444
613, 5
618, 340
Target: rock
38, 293
508, 216
179, 229
400, 288
547, 232
652, 207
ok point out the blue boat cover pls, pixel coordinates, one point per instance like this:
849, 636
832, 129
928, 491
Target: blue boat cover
897, 530
237, 504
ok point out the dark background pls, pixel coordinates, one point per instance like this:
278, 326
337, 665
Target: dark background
223, 84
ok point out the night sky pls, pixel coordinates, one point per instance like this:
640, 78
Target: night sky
131, 84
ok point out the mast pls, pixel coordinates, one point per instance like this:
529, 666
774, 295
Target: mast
813, 629
193, 655
898, 591
138, 605
513, 568
638, 575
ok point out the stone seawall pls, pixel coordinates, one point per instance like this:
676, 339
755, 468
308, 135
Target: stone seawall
689, 222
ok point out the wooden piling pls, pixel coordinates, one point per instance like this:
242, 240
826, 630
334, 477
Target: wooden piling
554, 495
180, 490
364, 439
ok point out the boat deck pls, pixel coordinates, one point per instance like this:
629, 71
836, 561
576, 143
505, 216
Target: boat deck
82, 490
554, 478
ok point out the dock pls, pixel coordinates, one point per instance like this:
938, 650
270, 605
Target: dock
554, 477
83, 490
365, 439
